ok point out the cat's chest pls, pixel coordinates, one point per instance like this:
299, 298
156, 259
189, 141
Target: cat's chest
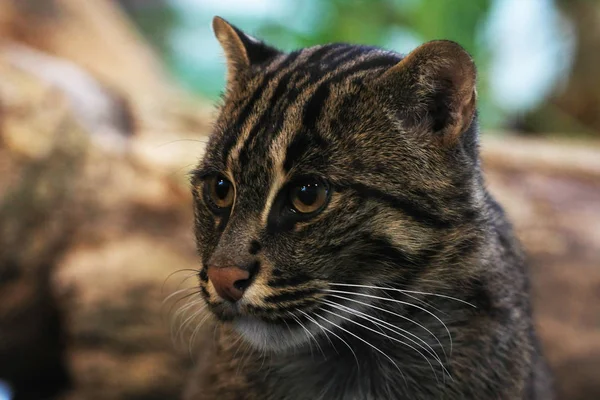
333, 377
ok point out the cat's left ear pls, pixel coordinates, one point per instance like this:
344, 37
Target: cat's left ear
433, 89
241, 50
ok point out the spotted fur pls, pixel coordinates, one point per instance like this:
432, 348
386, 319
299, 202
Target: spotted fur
409, 237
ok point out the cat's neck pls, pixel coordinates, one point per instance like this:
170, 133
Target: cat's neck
369, 361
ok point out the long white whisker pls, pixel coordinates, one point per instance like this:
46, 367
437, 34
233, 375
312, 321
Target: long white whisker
310, 335
338, 307
423, 302
400, 302
175, 293
309, 342
181, 310
406, 291
179, 334
311, 319
182, 327
195, 272
426, 347
195, 332
391, 327
290, 330
182, 298
362, 340
186, 307
397, 315
337, 336
238, 343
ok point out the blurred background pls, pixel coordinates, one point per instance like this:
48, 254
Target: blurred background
106, 105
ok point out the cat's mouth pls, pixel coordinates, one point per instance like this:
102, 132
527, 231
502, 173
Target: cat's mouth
269, 335
263, 328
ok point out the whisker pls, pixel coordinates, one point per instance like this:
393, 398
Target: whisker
174, 316
320, 326
195, 332
179, 332
181, 140
185, 307
175, 293
395, 329
191, 317
406, 291
391, 327
183, 298
309, 342
399, 316
246, 356
384, 335
400, 302
193, 271
362, 340
179, 169
310, 335
290, 330
423, 302
238, 343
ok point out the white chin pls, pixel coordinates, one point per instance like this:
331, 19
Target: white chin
269, 337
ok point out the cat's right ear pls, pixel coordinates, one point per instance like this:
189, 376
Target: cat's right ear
241, 50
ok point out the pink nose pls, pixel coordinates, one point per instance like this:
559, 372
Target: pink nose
229, 282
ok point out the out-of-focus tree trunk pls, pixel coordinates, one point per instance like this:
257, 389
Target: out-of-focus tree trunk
576, 106
93, 34
99, 38
86, 182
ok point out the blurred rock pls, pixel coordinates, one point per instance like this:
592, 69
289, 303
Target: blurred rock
552, 194
90, 227
88, 237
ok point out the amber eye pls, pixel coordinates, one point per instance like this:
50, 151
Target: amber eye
219, 191
309, 196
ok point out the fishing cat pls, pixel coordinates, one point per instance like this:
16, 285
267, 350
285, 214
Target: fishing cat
349, 247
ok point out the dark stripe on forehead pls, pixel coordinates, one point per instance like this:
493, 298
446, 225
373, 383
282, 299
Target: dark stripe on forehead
288, 90
366, 65
309, 136
342, 58
273, 107
341, 51
251, 103
313, 111
318, 55
300, 145
314, 106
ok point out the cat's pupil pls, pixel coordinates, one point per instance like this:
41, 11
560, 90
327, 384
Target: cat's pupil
222, 188
308, 194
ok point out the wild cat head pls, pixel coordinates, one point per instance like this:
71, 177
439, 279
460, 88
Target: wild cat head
330, 169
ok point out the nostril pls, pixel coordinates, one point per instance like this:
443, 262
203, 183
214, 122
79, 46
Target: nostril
242, 284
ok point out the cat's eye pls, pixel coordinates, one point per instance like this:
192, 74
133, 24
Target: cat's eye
308, 196
219, 191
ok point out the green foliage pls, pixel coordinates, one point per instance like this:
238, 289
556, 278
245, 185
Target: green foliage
395, 24
378, 22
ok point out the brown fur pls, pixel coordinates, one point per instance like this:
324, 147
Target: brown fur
325, 316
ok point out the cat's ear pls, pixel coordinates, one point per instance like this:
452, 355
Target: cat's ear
241, 50
433, 89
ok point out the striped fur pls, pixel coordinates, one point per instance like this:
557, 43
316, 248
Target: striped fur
395, 140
